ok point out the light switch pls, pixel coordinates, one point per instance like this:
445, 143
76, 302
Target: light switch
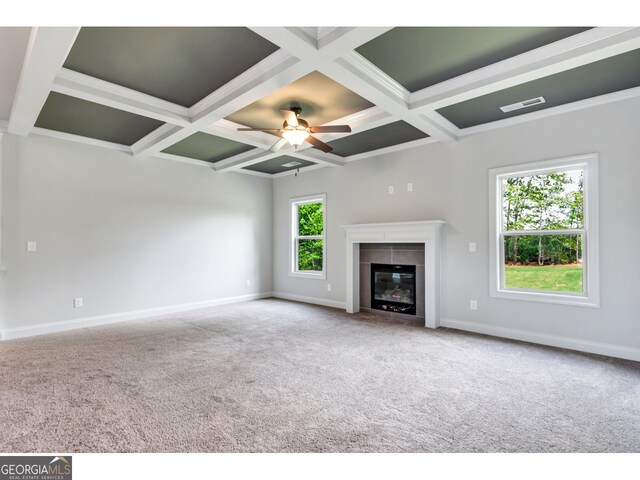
409, 187
472, 247
32, 246
473, 304
390, 189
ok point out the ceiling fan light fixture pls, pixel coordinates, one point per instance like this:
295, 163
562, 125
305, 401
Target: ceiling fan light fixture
295, 136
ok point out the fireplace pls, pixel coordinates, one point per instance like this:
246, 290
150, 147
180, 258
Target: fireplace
393, 288
425, 232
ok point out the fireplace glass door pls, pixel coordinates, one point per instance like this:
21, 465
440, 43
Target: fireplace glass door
393, 288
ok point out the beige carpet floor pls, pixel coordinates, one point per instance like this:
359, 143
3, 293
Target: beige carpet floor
278, 376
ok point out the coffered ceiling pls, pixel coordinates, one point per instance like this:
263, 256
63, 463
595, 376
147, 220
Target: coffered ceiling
181, 93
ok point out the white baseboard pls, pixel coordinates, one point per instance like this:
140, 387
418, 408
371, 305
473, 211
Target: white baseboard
315, 300
608, 349
65, 325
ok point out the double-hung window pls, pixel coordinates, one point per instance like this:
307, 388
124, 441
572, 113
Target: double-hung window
544, 231
308, 258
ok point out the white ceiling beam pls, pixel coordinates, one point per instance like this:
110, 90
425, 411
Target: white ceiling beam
586, 47
362, 77
296, 41
279, 69
360, 121
275, 71
111, 95
47, 50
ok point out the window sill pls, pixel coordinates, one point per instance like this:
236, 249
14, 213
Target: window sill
316, 276
543, 297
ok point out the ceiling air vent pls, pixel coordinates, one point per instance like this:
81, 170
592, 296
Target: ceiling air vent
524, 104
291, 164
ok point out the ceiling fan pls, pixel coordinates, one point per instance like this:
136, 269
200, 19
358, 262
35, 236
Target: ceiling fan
296, 130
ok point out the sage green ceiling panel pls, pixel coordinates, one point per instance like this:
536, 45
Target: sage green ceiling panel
210, 148
598, 78
80, 117
418, 57
322, 100
178, 64
276, 165
386, 136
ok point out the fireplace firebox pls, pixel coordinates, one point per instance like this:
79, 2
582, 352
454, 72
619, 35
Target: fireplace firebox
393, 288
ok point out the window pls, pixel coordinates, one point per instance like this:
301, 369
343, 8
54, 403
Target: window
544, 235
308, 237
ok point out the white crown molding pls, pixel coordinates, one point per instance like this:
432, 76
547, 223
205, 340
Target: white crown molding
325, 35
275, 71
46, 52
288, 173
245, 159
329, 50
586, 47
321, 158
392, 149
350, 72
373, 75
187, 160
163, 132
111, 95
251, 172
45, 132
553, 111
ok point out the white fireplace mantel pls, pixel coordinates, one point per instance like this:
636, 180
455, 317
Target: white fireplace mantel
427, 232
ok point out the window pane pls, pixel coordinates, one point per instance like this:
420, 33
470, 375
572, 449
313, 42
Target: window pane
548, 201
543, 262
310, 255
310, 219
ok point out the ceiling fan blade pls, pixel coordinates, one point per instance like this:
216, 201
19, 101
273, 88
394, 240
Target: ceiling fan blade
259, 129
278, 145
331, 129
290, 117
318, 144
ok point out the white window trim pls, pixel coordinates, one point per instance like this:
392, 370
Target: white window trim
293, 216
591, 278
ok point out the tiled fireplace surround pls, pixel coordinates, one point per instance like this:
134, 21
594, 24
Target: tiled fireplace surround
393, 254
425, 233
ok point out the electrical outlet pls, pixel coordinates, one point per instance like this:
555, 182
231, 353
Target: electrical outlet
328, 287
77, 303
248, 283
32, 246
473, 304
390, 189
409, 187
472, 247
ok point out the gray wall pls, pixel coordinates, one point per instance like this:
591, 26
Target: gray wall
123, 233
450, 183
